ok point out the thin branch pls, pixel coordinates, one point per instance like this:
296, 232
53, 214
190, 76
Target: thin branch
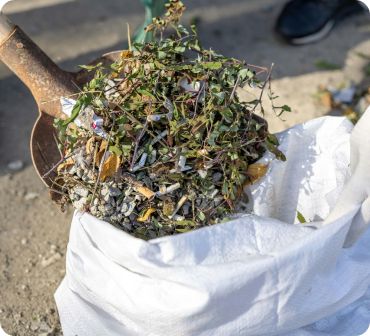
259, 102
137, 142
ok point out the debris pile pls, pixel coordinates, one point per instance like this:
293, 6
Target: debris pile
159, 143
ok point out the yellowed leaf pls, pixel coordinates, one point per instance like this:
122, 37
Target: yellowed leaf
351, 114
90, 145
99, 155
146, 215
326, 99
110, 166
256, 171
145, 191
66, 164
168, 207
126, 54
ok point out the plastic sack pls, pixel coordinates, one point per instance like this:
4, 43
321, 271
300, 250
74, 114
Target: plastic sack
262, 274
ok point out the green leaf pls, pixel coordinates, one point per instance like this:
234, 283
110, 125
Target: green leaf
286, 108
146, 93
180, 49
90, 67
301, 218
212, 65
245, 74
227, 114
75, 112
115, 150
161, 55
201, 216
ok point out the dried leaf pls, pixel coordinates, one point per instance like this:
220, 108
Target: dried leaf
110, 166
145, 191
326, 99
146, 216
66, 164
255, 172
100, 153
126, 54
168, 207
90, 145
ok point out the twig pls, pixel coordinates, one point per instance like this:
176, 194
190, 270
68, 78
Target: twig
101, 163
197, 99
56, 165
137, 142
129, 37
62, 158
234, 89
263, 88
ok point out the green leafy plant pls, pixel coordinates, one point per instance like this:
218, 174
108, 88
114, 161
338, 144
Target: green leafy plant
178, 145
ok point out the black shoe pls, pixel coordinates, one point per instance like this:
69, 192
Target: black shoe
307, 21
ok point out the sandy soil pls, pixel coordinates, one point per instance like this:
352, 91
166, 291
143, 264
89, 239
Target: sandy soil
33, 232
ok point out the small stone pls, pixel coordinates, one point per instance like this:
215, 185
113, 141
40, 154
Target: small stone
49, 261
114, 192
24, 241
81, 191
30, 196
44, 327
79, 172
34, 326
202, 173
124, 207
186, 208
15, 165
80, 204
216, 177
108, 207
106, 198
72, 170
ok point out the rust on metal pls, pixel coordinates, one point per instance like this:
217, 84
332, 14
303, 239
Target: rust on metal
43, 147
41, 75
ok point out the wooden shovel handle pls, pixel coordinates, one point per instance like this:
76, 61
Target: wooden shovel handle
41, 75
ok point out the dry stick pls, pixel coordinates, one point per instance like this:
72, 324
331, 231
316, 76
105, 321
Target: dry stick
234, 89
197, 99
101, 164
263, 69
134, 120
62, 158
137, 142
263, 88
57, 164
129, 37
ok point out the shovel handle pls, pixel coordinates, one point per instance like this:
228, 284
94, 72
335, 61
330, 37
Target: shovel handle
39, 73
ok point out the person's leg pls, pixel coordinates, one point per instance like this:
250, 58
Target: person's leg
307, 21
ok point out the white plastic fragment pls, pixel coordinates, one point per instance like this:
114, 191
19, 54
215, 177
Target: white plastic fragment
163, 190
159, 137
96, 123
180, 203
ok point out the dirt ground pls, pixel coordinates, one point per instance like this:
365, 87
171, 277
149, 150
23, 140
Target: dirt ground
33, 232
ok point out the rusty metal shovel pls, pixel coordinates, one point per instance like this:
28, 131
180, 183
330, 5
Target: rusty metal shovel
47, 82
